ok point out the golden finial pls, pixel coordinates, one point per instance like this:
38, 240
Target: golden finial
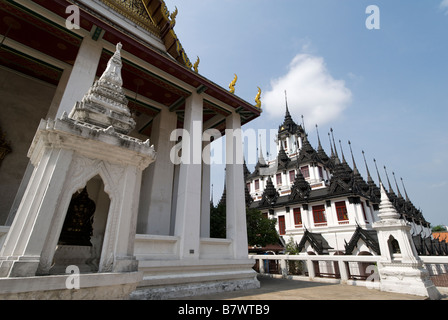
232, 84
257, 99
196, 65
173, 17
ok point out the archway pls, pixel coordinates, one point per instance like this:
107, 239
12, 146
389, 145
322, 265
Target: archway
81, 239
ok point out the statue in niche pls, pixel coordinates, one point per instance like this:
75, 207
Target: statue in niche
77, 229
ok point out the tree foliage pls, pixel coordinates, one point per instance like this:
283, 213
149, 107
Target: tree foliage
260, 230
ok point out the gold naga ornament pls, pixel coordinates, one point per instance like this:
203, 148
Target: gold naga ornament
257, 99
196, 65
232, 84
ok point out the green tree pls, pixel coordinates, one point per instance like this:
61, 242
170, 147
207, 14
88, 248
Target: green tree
260, 230
438, 228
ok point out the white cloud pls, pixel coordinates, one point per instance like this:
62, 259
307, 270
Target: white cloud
312, 92
444, 6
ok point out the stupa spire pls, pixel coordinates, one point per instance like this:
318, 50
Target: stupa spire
105, 104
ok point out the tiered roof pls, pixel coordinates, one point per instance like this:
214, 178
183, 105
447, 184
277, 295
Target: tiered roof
345, 180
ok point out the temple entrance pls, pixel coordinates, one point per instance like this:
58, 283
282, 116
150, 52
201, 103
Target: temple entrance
81, 238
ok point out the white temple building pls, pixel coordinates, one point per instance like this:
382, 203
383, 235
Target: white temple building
322, 203
96, 99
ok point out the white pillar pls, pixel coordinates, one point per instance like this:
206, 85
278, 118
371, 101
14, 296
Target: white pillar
29, 230
75, 84
157, 185
205, 200
235, 201
188, 209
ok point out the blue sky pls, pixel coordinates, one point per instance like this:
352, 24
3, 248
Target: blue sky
384, 90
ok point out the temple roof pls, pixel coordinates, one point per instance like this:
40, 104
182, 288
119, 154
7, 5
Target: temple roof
317, 242
370, 238
154, 16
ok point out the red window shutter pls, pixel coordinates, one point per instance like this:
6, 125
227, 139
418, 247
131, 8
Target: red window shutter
341, 210
319, 214
305, 171
297, 217
292, 176
279, 178
281, 225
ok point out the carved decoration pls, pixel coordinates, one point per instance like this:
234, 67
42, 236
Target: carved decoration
257, 99
135, 11
232, 84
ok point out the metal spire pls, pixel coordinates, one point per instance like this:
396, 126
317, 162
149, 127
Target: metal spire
387, 176
369, 177
396, 184
406, 194
353, 158
377, 172
342, 151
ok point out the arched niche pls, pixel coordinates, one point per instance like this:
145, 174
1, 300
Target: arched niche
82, 235
394, 248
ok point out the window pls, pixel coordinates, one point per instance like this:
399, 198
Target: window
279, 179
321, 172
257, 184
364, 211
305, 171
248, 186
319, 215
281, 225
297, 217
292, 176
341, 210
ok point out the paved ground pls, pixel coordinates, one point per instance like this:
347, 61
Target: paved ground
280, 289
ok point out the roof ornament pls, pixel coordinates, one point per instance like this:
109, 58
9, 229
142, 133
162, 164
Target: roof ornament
232, 84
196, 65
377, 172
257, 99
405, 192
173, 17
396, 184
387, 176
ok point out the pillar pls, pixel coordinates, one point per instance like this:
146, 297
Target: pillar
157, 184
188, 207
76, 82
25, 241
235, 195
205, 198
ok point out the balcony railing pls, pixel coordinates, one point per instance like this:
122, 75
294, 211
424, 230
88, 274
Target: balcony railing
353, 270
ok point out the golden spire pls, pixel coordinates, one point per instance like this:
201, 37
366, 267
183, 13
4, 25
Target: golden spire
257, 99
196, 65
232, 84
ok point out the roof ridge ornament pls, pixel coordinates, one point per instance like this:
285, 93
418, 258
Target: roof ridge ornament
257, 99
232, 84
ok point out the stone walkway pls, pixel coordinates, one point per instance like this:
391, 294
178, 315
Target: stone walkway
281, 289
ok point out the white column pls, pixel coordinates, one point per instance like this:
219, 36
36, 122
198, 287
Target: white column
75, 84
188, 209
205, 200
235, 201
29, 230
157, 184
